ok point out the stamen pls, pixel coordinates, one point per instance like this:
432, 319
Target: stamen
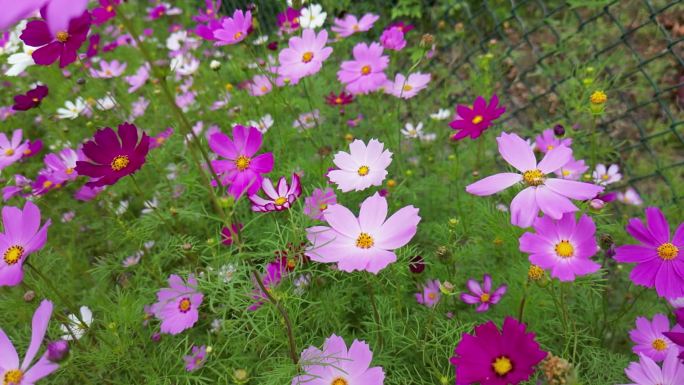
533, 177
502, 366
363, 171
13, 254
242, 163
120, 162
667, 251
364, 241
564, 249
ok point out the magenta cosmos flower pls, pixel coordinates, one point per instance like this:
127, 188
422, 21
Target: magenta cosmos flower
234, 29
647, 372
351, 25
305, 55
195, 360
365, 73
363, 243
177, 306
275, 272
483, 295
393, 38
650, 339
62, 45
547, 141
288, 21
677, 334
22, 236
26, 374
406, 88
113, 156
12, 150
337, 365
240, 169
318, 202
430, 295
279, 198
105, 12
31, 99
550, 195
493, 357
659, 259
474, 121
363, 166
564, 246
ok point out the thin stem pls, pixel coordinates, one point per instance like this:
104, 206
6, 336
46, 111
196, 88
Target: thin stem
376, 313
66, 302
523, 301
149, 203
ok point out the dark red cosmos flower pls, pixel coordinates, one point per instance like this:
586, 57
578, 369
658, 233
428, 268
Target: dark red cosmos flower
63, 46
94, 45
227, 233
403, 27
339, 100
34, 147
31, 99
106, 11
113, 157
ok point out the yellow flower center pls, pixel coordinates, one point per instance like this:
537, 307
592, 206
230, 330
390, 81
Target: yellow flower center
69, 171
307, 57
533, 177
242, 162
120, 162
408, 87
502, 365
291, 263
339, 381
323, 206
238, 35
432, 295
535, 273
564, 249
109, 8
338, 100
365, 70
185, 305
62, 36
9, 152
659, 344
363, 170
549, 147
364, 241
485, 297
598, 97
27, 152
605, 176
667, 251
108, 73
13, 254
13, 377
47, 184
264, 88
280, 201
35, 100
566, 173
477, 119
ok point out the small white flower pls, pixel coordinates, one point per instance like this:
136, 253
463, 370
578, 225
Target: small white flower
150, 206
312, 16
123, 206
428, 137
106, 103
630, 197
605, 176
74, 328
20, 61
442, 114
214, 64
263, 124
411, 131
227, 272
260, 40
72, 110
184, 65
178, 40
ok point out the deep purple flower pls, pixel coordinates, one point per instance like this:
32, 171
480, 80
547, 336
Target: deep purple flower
105, 12
417, 264
63, 45
31, 99
57, 350
483, 295
93, 45
113, 157
474, 121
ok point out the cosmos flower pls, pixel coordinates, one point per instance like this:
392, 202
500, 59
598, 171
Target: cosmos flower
307, 120
483, 295
550, 195
139, 79
162, 9
288, 21
493, 357
260, 85
109, 70
676, 335
649, 337
177, 306
62, 166
406, 88
19, 61
312, 16
659, 258
105, 12
363, 166
411, 131
11, 150
196, 359
365, 73
647, 372
161, 138
573, 170
22, 187
337, 365
210, 13
364, 243
263, 124
10, 370
340, 99
240, 169
22, 236
630, 197
564, 246
74, 329
62, 44
305, 55
113, 155
548, 140
227, 233
430, 295
31, 99
393, 38
318, 202
279, 198
72, 110
351, 25
275, 272
605, 176
474, 121
234, 29
441, 114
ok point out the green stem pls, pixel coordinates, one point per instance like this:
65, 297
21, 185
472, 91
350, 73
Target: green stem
59, 295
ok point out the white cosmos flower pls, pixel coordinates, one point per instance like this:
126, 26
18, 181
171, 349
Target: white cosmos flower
184, 65
74, 328
442, 114
106, 103
72, 109
260, 40
263, 124
312, 16
178, 40
411, 131
20, 61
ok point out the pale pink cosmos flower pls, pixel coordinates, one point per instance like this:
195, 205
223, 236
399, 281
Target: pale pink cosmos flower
365, 73
305, 55
139, 79
260, 85
364, 243
351, 25
178, 305
550, 195
630, 197
234, 29
572, 170
278, 198
62, 166
363, 166
393, 38
647, 372
483, 295
109, 70
406, 88
606, 175
12, 150
430, 295
318, 202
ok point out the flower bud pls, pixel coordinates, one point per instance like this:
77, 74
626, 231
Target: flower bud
559, 130
417, 264
57, 350
29, 296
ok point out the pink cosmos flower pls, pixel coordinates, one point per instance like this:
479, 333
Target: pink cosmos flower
196, 359
363, 243
11, 150
630, 197
177, 306
563, 246
305, 55
338, 366
105, 12
211, 12
606, 175
362, 167
108, 70
351, 25
260, 85
474, 121
573, 170
241, 169
87, 193
275, 272
393, 38
550, 195
318, 202
365, 73
234, 29
62, 166
407, 88
22, 187
430, 295
547, 141
62, 44
22, 236
288, 21
483, 295
161, 138
659, 258
649, 337
228, 233
139, 79
647, 372
279, 199
26, 374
